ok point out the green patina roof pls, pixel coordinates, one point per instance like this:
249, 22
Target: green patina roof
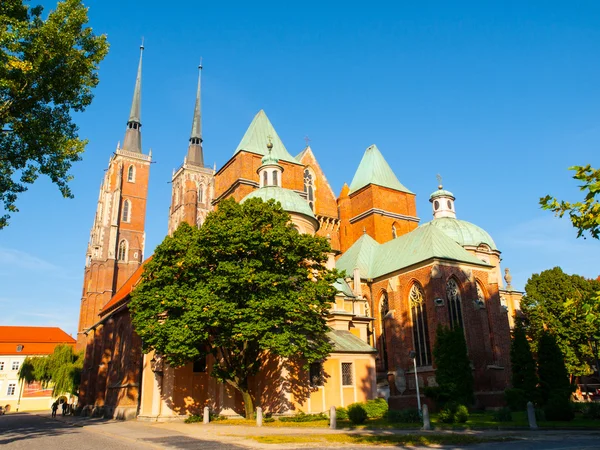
345, 342
441, 193
290, 201
343, 287
424, 243
269, 159
374, 169
461, 231
257, 136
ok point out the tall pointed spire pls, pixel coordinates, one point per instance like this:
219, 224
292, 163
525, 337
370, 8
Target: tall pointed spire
133, 137
194, 154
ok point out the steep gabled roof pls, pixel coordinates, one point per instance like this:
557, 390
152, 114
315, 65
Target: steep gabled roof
424, 243
257, 136
374, 169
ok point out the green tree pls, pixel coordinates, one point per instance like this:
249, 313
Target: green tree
585, 215
522, 363
554, 378
243, 286
567, 307
48, 68
453, 372
61, 370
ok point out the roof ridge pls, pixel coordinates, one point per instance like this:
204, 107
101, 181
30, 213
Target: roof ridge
374, 169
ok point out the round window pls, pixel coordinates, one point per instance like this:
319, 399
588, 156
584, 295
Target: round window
436, 205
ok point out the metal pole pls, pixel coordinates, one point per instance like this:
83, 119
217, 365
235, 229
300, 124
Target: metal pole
417, 385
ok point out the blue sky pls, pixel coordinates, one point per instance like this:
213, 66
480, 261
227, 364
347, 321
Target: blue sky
500, 98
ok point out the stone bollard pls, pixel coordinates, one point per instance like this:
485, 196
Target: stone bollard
332, 418
259, 417
206, 416
531, 416
426, 420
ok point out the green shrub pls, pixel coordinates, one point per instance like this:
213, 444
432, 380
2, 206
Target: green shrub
268, 419
446, 416
404, 416
579, 407
516, 399
216, 417
341, 413
503, 415
592, 411
302, 417
540, 415
194, 418
558, 407
376, 408
357, 413
454, 412
462, 414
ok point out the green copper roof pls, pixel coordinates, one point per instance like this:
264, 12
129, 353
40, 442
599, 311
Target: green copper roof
345, 342
269, 159
441, 193
343, 288
257, 137
424, 243
374, 169
463, 232
290, 201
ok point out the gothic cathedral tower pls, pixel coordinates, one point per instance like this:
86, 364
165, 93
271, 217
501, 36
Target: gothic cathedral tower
192, 183
116, 245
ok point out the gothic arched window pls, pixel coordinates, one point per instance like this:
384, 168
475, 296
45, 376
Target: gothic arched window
131, 174
201, 194
418, 312
454, 303
480, 294
122, 253
309, 188
275, 182
384, 310
126, 210
265, 178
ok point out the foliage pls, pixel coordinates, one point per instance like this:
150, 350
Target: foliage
61, 369
523, 366
503, 415
585, 215
48, 68
516, 399
558, 408
446, 416
341, 413
194, 418
302, 417
592, 411
357, 413
243, 287
453, 412
567, 306
454, 375
461, 414
376, 408
554, 379
404, 416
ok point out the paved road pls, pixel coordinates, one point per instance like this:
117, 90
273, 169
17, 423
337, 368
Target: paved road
32, 432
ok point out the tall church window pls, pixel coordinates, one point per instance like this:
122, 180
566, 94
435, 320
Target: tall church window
201, 194
454, 303
126, 210
384, 310
131, 174
275, 182
418, 312
265, 178
480, 295
309, 188
122, 253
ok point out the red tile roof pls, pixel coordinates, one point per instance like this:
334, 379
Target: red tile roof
122, 295
35, 340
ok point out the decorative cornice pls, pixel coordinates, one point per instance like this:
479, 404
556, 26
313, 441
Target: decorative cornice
231, 188
383, 212
133, 155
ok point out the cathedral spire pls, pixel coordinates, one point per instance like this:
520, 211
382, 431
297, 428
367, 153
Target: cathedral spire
133, 137
194, 154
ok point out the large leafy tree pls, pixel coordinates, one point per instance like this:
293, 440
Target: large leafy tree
244, 286
523, 366
554, 379
61, 370
584, 215
566, 306
48, 67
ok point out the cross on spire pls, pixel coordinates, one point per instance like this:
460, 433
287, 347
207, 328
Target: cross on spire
439, 179
307, 140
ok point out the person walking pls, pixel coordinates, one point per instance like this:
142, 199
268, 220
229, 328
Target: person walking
54, 408
64, 407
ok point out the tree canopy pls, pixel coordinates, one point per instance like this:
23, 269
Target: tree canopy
61, 370
48, 68
584, 215
243, 286
567, 307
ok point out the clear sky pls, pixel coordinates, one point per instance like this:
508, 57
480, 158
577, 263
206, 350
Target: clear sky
500, 98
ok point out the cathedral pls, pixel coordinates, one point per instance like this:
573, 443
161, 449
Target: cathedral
403, 279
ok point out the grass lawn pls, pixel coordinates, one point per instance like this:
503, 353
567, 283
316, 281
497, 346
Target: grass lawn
405, 439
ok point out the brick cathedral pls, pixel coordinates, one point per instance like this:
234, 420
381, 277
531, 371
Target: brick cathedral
403, 279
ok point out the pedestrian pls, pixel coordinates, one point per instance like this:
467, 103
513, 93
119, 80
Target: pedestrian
54, 408
64, 407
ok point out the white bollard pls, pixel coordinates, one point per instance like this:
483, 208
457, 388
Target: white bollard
259, 418
206, 417
531, 416
332, 418
426, 420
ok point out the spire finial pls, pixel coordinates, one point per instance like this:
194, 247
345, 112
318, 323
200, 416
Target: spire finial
364, 230
439, 179
270, 143
306, 140
195, 155
133, 138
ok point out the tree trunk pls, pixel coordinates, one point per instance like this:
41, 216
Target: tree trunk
248, 404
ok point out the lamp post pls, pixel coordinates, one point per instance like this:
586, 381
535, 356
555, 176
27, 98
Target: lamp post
413, 356
594, 345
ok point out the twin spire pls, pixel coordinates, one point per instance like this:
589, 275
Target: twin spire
133, 135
